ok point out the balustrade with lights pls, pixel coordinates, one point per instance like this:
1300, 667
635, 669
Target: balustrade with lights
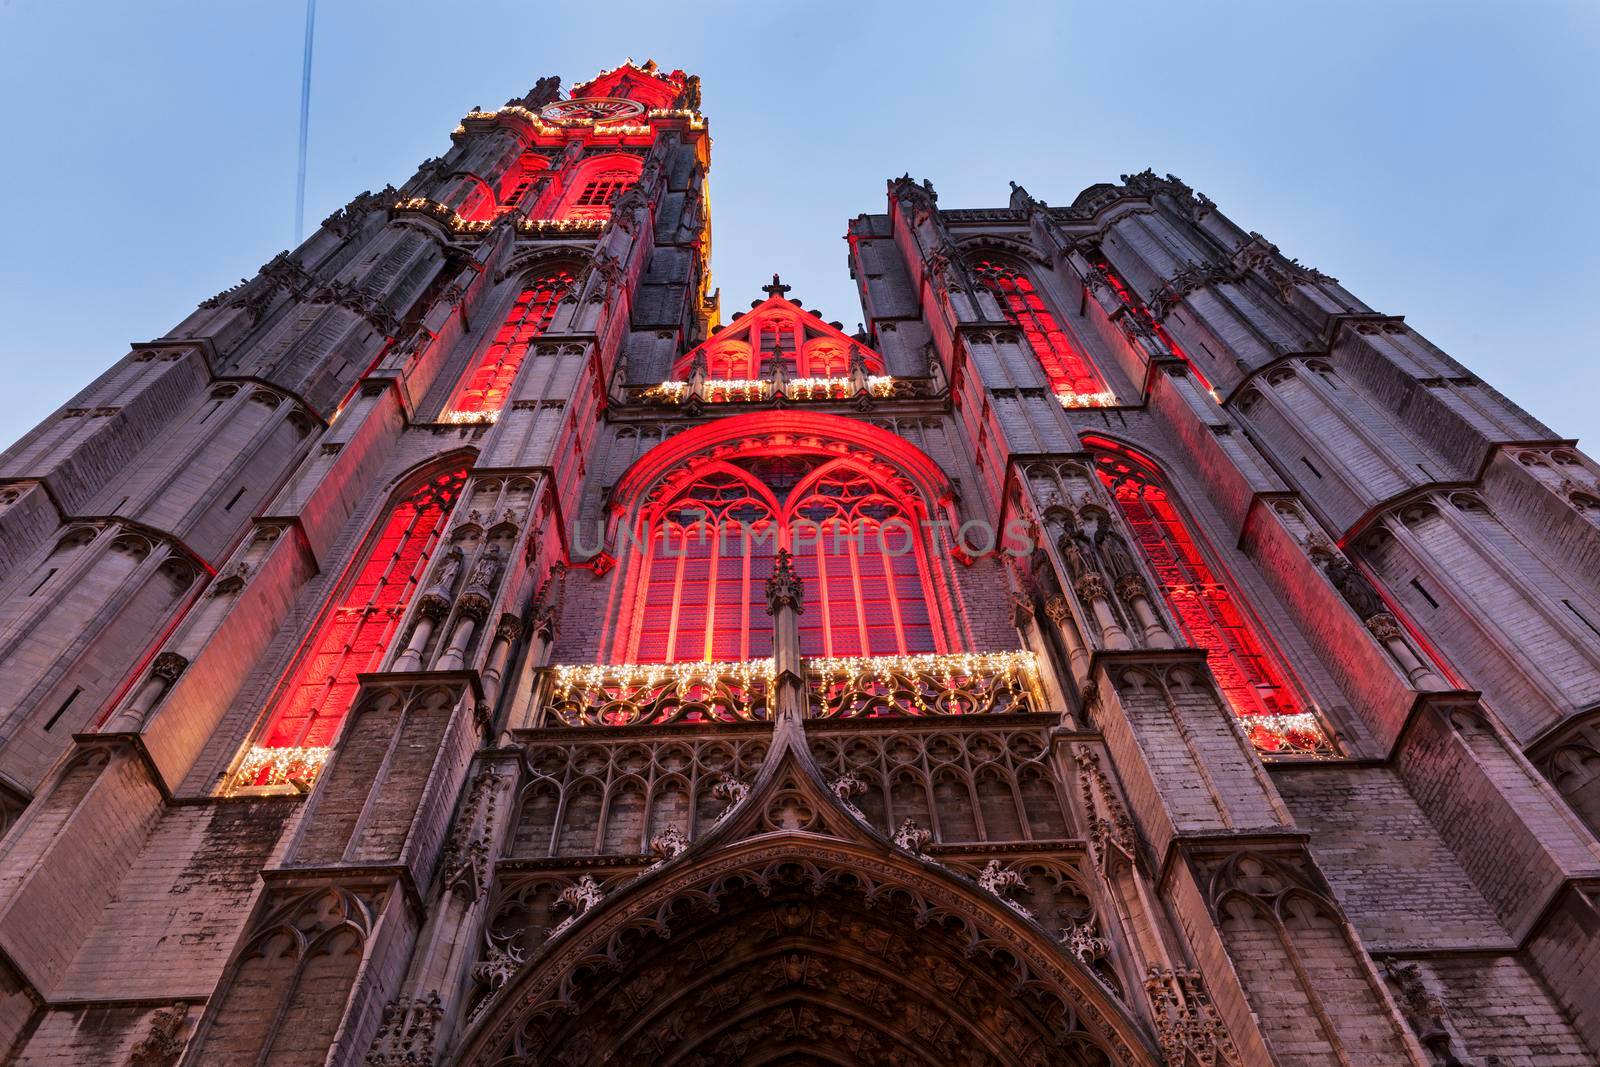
753, 390
852, 687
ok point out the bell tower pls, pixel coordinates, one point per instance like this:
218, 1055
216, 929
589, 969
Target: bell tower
462, 644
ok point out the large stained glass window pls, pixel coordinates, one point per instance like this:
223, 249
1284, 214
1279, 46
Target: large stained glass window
1251, 680
488, 386
355, 633
1071, 374
711, 550
597, 184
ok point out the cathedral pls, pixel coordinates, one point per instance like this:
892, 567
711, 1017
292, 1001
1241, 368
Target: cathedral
471, 641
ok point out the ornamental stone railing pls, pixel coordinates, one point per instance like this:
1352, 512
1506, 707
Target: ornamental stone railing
962, 683
641, 694
755, 390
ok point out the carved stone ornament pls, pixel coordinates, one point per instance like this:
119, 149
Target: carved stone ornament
1353, 587
1132, 587
731, 791
1384, 627
912, 838
1083, 940
580, 897
410, 1028
1187, 1024
784, 587
1058, 611
1090, 587
163, 1043
849, 785
168, 666
667, 846
497, 968
999, 881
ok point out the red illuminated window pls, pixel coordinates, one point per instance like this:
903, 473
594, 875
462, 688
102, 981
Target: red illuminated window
729, 361
518, 191
712, 548
1249, 678
869, 599
1066, 367
598, 191
479, 204
1137, 307
824, 360
489, 384
354, 635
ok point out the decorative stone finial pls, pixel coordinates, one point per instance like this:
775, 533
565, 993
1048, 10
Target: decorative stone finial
784, 588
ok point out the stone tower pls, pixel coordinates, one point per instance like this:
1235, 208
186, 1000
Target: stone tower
458, 644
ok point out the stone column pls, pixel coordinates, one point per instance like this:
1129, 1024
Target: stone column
471, 609
1060, 613
430, 609
1134, 593
1386, 628
432, 606
1091, 590
164, 671
494, 671
785, 593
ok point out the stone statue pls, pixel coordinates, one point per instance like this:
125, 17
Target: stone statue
1354, 588
444, 580
484, 571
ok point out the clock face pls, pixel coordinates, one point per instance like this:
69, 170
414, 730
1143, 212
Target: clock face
596, 110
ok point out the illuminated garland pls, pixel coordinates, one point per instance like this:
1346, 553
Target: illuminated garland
667, 392
281, 765
1299, 732
1015, 669
470, 418
575, 676
744, 390
1103, 399
948, 665
421, 205
695, 120
734, 390
835, 388
627, 694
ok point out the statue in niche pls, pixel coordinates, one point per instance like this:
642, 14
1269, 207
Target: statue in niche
484, 571
444, 580
1353, 587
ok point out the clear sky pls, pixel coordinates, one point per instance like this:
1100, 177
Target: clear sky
1440, 158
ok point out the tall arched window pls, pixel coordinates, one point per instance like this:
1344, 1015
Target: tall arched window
488, 387
597, 184
479, 205
1069, 370
1250, 678
354, 634
853, 524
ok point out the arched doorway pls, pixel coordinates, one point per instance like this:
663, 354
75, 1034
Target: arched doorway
793, 948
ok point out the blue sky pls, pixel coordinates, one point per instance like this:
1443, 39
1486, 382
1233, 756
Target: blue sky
1439, 158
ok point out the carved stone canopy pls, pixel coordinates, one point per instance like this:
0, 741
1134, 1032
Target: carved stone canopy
791, 932
798, 955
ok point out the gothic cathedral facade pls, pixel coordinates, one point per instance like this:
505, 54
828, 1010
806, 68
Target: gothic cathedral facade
461, 643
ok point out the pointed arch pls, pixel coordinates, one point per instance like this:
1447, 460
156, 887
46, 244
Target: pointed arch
708, 509
596, 182
792, 910
486, 388
1072, 374
991, 245
1252, 677
357, 625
